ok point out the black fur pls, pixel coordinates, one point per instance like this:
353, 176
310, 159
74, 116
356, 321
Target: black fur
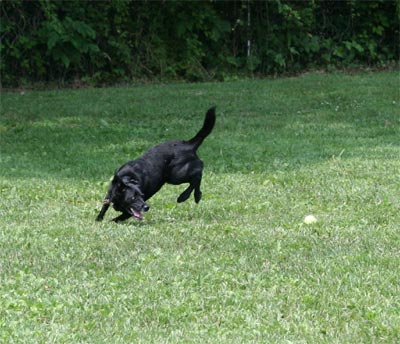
173, 162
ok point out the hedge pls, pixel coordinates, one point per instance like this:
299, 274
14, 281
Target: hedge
100, 42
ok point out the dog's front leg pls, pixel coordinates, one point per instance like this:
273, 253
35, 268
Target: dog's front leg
106, 205
122, 217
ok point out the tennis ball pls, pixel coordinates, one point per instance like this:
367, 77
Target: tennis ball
309, 219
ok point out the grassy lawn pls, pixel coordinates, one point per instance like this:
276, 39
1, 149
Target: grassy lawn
240, 267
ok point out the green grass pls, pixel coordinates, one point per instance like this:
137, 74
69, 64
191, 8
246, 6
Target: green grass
240, 267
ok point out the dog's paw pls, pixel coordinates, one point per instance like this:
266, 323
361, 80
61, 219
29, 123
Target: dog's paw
197, 196
182, 198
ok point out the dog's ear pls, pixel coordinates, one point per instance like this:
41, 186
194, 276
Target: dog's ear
128, 180
119, 185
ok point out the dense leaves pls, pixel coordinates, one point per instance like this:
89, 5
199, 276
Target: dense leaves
107, 41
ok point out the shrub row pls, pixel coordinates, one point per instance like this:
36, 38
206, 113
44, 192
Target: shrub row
112, 41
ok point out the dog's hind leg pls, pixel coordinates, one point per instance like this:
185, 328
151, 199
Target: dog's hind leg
197, 193
194, 185
185, 194
190, 172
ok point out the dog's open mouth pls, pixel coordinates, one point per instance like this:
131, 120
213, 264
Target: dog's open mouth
136, 213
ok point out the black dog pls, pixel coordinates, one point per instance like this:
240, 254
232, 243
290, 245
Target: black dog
173, 162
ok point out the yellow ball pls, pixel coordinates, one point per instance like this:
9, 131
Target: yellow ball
309, 219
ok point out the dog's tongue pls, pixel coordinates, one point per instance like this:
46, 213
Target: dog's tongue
137, 214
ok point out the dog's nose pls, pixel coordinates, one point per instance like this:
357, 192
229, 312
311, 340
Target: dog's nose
146, 207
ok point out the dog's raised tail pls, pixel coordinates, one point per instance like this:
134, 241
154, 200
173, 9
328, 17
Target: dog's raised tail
208, 126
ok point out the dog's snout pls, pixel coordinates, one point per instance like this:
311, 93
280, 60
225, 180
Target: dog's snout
146, 207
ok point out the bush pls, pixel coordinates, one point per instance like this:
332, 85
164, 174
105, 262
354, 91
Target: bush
106, 42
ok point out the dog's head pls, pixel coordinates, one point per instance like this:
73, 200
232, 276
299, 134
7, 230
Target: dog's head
128, 197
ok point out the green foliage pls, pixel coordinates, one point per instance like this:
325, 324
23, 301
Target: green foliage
102, 42
239, 267
67, 40
312, 33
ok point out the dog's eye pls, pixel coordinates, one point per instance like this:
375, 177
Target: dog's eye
133, 198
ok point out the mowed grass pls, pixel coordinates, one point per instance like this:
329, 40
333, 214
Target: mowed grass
239, 267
